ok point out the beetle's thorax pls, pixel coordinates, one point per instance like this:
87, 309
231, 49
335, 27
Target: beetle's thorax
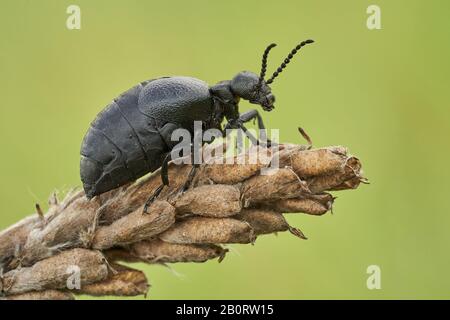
225, 102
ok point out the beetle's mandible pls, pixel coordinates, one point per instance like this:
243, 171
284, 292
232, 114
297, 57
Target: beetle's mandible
132, 135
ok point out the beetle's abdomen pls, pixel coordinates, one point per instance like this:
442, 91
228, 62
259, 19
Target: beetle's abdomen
121, 145
180, 100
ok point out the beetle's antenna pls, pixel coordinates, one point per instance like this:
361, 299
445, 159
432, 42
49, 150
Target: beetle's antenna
288, 59
264, 62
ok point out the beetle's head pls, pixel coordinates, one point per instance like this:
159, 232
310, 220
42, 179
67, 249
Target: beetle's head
249, 86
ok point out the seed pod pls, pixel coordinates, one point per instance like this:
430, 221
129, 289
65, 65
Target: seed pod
264, 221
315, 162
312, 204
41, 295
158, 251
209, 230
226, 201
351, 169
282, 184
237, 168
53, 272
124, 281
135, 226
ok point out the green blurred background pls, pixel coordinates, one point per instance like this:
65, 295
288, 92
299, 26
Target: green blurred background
383, 93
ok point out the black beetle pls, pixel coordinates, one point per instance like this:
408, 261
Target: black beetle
132, 135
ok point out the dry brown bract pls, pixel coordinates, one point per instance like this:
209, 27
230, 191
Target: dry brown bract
227, 203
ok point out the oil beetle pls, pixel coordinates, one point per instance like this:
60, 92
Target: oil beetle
132, 135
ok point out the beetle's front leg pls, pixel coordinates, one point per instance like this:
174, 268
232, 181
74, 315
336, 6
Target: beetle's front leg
246, 117
254, 114
251, 115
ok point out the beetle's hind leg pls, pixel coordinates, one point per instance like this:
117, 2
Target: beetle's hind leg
165, 182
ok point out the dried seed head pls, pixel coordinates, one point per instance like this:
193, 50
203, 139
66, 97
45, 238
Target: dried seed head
178, 228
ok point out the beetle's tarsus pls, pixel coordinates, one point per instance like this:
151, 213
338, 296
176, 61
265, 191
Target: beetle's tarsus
165, 170
152, 198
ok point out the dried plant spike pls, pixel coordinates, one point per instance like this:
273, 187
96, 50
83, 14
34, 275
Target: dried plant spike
226, 203
135, 226
124, 282
209, 230
53, 273
210, 201
41, 295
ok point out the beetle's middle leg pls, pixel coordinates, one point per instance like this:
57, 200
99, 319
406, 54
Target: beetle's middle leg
165, 182
195, 166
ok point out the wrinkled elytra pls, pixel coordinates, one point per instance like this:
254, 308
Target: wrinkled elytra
132, 135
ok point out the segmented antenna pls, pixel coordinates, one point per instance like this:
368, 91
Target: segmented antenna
288, 59
264, 61
264, 65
